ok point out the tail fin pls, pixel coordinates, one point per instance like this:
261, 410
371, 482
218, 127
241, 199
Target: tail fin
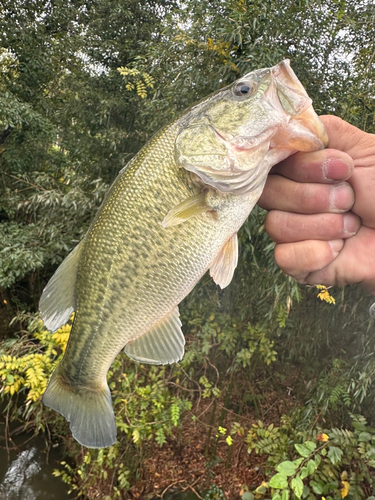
89, 412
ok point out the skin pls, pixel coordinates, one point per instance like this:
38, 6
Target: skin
322, 210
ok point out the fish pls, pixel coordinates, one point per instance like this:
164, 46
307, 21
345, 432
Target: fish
172, 213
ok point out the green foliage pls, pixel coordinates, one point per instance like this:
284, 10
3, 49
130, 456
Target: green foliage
213, 493
332, 465
146, 413
146, 409
67, 124
272, 441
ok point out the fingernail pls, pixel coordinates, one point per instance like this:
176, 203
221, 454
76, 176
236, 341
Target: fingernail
336, 247
341, 198
336, 169
351, 224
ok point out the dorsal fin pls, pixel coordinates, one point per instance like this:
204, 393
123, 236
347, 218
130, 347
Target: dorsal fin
223, 266
58, 298
161, 345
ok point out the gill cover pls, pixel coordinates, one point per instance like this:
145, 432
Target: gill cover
232, 139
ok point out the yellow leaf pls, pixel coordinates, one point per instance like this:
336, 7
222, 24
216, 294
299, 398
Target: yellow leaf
324, 294
136, 435
322, 437
345, 489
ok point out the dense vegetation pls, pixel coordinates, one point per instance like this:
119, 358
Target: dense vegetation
270, 369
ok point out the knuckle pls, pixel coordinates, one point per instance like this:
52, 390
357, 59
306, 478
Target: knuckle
285, 257
273, 225
312, 198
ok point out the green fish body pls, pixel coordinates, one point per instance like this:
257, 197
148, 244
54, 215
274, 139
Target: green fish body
172, 213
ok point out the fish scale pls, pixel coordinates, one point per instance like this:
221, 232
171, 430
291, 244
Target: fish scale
157, 266
172, 214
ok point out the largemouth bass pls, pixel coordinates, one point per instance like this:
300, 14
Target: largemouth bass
172, 213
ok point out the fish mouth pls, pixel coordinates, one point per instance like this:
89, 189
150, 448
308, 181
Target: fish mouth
306, 129
318, 138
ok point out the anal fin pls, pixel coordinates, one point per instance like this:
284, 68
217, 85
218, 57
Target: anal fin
188, 208
58, 298
161, 345
222, 268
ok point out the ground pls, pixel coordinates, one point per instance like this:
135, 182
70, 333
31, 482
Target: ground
185, 463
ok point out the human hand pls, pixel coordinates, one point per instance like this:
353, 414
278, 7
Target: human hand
322, 210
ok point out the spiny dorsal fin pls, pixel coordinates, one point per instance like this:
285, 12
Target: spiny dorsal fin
58, 298
223, 266
161, 345
185, 210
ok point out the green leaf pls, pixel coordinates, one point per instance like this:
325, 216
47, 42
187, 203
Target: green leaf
247, 496
335, 454
302, 450
297, 486
276, 496
303, 473
310, 445
365, 437
285, 494
261, 490
279, 481
160, 437
359, 426
311, 467
298, 462
317, 487
306, 491
288, 468
306, 448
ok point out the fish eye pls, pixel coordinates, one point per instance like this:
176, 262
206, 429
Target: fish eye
244, 89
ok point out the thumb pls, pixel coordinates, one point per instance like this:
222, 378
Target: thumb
353, 141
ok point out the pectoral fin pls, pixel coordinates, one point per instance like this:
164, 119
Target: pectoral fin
185, 210
161, 345
223, 266
58, 298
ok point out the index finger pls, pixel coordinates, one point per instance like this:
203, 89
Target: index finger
324, 166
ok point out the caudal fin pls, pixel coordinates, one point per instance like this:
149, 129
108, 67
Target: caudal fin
89, 412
